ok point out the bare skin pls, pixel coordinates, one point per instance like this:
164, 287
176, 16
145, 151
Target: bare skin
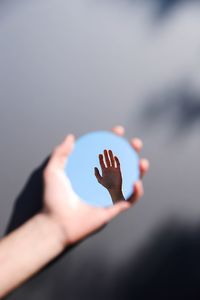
63, 221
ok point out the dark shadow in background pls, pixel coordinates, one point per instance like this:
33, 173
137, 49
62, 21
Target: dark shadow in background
29, 202
166, 6
167, 266
179, 108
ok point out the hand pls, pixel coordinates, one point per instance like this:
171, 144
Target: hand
111, 177
75, 218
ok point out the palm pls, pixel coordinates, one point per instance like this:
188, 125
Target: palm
111, 177
63, 204
59, 196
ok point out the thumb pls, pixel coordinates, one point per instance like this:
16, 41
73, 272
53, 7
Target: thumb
97, 174
60, 154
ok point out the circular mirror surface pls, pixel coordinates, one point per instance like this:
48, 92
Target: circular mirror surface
85, 157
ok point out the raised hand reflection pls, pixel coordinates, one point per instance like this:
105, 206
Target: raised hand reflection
111, 177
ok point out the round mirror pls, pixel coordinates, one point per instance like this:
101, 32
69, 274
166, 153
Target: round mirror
120, 160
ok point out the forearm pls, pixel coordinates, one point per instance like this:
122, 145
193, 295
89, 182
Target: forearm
28, 249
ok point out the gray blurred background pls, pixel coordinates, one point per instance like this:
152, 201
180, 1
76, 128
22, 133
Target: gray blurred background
84, 65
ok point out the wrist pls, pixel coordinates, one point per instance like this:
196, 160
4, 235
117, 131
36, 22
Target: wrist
56, 228
116, 195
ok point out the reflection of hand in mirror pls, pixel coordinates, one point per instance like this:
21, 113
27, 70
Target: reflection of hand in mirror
111, 177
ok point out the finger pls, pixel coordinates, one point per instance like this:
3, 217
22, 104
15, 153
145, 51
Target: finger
107, 158
61, 153
138, 192
137, 144
97, 174
111, 158
144, 167
119, 130
117, 161
113, 211
101, 161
